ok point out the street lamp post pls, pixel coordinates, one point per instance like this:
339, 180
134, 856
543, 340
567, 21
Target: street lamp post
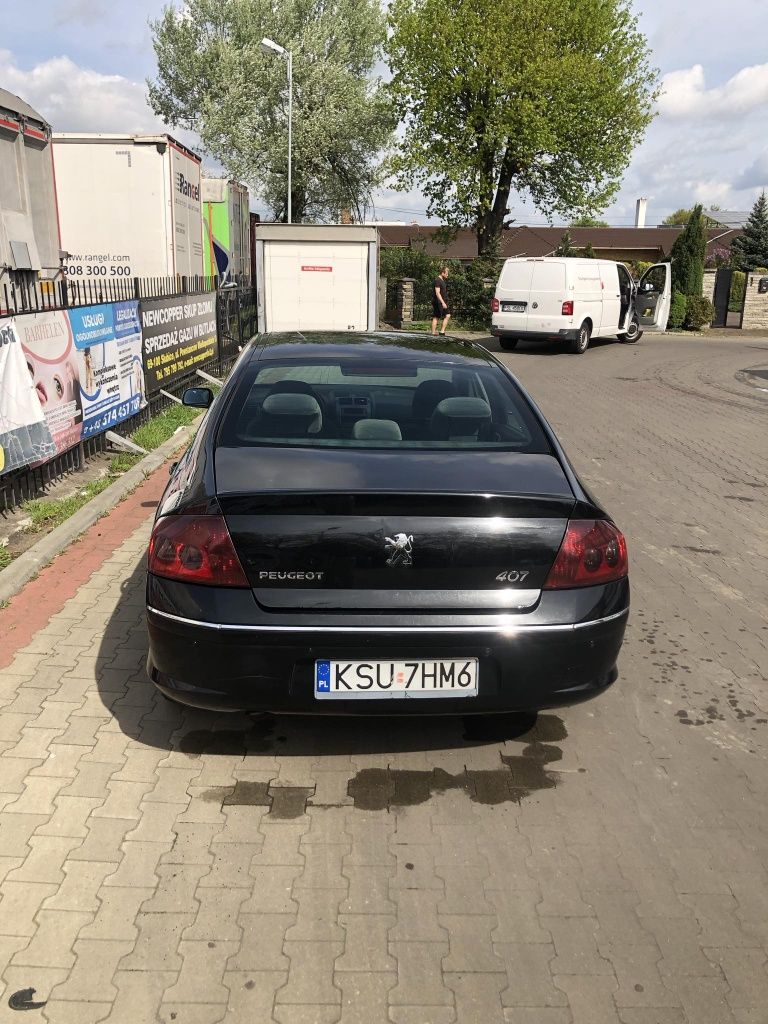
270, 46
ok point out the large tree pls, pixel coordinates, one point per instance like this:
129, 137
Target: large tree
750, 249
548, 98
214, 78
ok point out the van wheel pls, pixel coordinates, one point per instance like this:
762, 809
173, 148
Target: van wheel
508, 344
633, 332
580, 343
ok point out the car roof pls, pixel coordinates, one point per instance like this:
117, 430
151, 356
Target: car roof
384, 345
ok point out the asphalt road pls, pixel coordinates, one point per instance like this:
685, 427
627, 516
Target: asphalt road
610, 864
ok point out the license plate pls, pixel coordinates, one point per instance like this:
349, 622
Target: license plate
513, 307
345, 680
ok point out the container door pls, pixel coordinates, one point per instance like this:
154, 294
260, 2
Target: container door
316, 286
654, 297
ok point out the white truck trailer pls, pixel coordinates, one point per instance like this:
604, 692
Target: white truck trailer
29, 230
129, 206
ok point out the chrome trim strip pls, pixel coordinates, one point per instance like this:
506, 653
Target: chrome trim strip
500, 628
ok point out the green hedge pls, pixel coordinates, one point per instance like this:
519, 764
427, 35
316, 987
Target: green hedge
678, 310
699, 313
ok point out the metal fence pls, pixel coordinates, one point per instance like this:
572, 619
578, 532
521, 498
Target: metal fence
236, 324
68, 292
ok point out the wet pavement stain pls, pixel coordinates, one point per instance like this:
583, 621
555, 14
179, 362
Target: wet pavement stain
284, 802
380, 789
248, 794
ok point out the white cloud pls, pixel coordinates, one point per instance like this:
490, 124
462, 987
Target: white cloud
77, 99
756, 175
685, 93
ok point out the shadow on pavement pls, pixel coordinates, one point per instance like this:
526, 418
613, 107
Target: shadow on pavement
144, 715
544, 348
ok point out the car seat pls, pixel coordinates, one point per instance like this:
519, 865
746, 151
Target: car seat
288, 414
460, 419
376, 430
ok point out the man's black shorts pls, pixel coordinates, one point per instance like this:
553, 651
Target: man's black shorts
439, 311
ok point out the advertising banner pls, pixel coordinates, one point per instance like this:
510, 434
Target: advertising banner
24, 433
108, 345
52, 364
179, 334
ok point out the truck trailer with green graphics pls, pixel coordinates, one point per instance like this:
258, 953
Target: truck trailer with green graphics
226, 230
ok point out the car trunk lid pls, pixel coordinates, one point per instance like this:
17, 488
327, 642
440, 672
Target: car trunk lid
339, 531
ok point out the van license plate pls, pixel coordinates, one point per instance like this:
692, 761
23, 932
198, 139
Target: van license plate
345, 680
513, 307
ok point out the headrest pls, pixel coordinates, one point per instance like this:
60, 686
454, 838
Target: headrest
428, 394
288, 386
459, 417
376, 430
300, 414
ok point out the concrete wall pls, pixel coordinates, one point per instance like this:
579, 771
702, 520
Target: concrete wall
755, 304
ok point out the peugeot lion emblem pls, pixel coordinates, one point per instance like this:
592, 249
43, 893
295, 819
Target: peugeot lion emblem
400, 550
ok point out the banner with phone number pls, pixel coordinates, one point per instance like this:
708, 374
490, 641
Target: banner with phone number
108, 343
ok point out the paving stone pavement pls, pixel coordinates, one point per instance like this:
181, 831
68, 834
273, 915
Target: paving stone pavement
160, 864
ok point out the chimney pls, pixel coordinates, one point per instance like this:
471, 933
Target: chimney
640, 211
346, 216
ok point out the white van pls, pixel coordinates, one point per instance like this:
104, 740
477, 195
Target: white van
558, 298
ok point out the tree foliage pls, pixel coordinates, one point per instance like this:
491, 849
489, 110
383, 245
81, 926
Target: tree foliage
546, 97
214, 78
566, 246
679, 218
588, 221
688, 256
588, 252
750, 249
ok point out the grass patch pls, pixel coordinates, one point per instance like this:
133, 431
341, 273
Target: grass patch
47, 513
5, 558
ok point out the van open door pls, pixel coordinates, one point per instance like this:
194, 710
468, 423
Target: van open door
654, 297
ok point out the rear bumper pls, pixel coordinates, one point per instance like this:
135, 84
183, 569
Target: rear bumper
562, 335
271, 668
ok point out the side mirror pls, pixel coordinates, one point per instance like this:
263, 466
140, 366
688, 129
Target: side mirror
198, 398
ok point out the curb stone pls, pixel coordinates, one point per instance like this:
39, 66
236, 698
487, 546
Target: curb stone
30, 562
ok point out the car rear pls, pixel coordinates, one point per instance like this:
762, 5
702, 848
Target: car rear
433, 557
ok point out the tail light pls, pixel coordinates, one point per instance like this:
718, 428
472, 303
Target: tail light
195, 549
592, 551
568, 308
494, 305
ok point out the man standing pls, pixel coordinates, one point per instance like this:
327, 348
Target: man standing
440, 301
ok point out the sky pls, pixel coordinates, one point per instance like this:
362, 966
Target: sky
84, 63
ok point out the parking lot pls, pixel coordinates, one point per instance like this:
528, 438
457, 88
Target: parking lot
607, 863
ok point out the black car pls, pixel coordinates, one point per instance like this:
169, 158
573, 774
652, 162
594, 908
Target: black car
380, 523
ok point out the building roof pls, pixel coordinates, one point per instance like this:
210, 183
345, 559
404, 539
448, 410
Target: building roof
538, 241
728, 218
13, 103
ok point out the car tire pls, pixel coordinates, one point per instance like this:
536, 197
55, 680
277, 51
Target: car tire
634, 332
508, 344
579, 345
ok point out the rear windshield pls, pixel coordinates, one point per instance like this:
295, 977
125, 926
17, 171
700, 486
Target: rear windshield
402, 403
